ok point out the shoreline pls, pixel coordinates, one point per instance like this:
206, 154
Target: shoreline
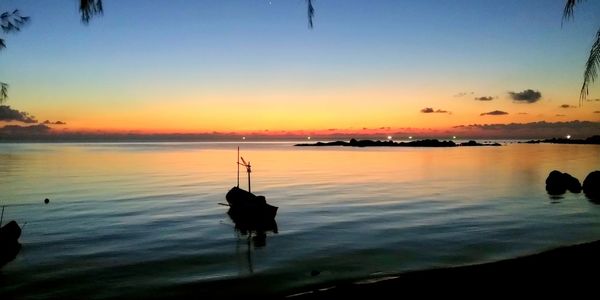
567, 269
593, 140
417, 143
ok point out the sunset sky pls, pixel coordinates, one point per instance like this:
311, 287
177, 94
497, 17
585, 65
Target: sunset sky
253, 65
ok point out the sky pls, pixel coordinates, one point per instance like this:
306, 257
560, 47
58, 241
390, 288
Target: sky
254, 66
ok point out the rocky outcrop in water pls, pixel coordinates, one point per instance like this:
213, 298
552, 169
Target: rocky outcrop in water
592, 140
558, 183
591, 185
419, 143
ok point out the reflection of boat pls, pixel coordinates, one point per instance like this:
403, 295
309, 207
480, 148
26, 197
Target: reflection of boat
254, 228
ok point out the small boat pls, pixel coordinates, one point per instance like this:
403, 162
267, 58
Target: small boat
244, 206
9, 242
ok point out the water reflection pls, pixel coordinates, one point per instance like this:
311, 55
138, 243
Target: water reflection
254, 232
254, 229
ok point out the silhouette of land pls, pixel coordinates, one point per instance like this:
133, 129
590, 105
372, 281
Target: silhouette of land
419, 143
593, 140
564, 269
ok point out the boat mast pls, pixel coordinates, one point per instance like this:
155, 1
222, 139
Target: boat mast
238, 165
248, 169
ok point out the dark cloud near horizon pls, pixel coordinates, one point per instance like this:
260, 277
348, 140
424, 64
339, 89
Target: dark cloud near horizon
526, 96
484, 98
494, 113
522, 113
19, 130
48, 122
429, 110
8, 114
596, 99
597, 112
571, 125
560, 115
567, 106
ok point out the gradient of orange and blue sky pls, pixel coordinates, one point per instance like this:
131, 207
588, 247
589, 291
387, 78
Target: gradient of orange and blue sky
245, 66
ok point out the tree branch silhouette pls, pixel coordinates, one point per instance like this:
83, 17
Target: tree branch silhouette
90, 8
591, 66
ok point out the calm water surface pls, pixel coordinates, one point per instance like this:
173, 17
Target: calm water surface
143, 220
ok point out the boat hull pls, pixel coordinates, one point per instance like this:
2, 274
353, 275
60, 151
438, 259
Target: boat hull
249, 207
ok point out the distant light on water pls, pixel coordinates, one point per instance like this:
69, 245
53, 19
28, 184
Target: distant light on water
410, 137
454, 137
568, 136
243, 138
389, 137
308, 138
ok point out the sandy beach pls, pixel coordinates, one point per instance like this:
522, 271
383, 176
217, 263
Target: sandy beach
571, 269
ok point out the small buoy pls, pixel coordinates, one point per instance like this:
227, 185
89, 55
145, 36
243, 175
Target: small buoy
46, 201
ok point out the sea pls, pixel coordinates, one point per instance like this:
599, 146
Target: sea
148, 220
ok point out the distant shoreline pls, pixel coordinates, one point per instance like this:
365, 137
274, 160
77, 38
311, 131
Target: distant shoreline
418, 143
593, 140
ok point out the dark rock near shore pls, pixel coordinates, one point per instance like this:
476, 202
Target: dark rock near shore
558, 183
591, 185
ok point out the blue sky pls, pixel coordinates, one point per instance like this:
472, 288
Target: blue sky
142, 54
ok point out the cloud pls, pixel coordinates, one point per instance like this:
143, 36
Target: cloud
526, 96
522, 113
560, 115
484, 98
428, 110
17, 130
47, 122
596, 99
494, 113
567, 106
8, 114
462, 94
597, 112
571, 125
534, 130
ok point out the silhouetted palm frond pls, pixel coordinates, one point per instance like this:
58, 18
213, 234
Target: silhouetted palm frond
591, 66
12, 21
311, 13
591, 69
90, 8
569, 7
3, 91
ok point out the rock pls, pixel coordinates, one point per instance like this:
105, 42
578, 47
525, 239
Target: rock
558, 183
555, 184
591, 185
573, 184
